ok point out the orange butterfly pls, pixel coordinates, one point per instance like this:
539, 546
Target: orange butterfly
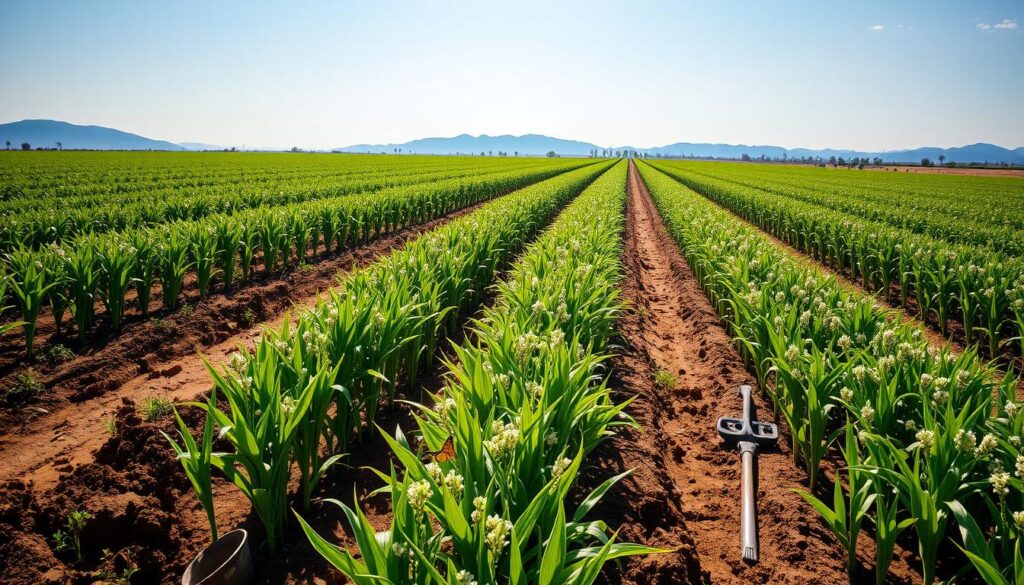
445, 453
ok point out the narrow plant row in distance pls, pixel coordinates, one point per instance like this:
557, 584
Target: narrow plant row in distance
317, 383
981, 288
926, 435
987, 214
224, 248
63, 222
525, 403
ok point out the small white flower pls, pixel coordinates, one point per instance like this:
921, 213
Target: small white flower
988, 443
288, 405
965, 440
455, 483
925, 441
419, 492
1000, 481
559, 467
498, 530
1018, 520
505, 437
479, 503
867, 414
1012, 408
858, 373
792, 353
846, 394
434, 471
550, 438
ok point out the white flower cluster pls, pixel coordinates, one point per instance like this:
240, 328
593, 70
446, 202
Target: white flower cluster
1000, 481
988, 443
498, 530
419, 492
965, 440
925, 441
455, 483
504, 438
479, 503
559, 467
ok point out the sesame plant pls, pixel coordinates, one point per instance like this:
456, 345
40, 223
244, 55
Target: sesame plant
929, 430
327, 374
950, 271
164, 242
525, 402
28, 289
195, 457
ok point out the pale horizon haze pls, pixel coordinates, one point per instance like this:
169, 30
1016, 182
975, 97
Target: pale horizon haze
868, 76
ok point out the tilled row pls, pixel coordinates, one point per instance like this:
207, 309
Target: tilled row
929, 435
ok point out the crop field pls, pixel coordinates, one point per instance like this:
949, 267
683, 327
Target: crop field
506, 370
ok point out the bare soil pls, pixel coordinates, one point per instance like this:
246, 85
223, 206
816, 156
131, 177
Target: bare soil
1018, 173
684, 491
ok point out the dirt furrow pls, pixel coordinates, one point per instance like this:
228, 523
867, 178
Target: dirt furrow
685, 373
159, 358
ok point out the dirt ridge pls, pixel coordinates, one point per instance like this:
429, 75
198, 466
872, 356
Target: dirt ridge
685, 490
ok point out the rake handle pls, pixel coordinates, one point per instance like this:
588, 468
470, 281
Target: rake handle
748, 512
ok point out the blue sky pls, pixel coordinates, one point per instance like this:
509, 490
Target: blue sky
867, 75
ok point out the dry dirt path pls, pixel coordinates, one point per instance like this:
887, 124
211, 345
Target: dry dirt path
685, 488
161, 359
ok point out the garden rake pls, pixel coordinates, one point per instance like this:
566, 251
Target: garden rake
747, 435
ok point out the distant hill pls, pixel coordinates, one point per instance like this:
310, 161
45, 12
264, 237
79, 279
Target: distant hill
46, 133
538, 144
199, 146
466, 144
980, 152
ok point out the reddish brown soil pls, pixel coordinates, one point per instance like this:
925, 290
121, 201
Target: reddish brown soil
1018, 173
157, 358
684, 491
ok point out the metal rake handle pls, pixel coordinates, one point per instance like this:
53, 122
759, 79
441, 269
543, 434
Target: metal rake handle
748, 512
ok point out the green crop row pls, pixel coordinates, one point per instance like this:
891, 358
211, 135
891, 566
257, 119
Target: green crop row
526, 402
980, 217
224, 247
63, 221
927, 436
316, 384
981, 288
31, 176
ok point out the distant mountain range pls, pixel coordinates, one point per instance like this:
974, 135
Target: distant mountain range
200, 146
466, 144
538, 144
46, 133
